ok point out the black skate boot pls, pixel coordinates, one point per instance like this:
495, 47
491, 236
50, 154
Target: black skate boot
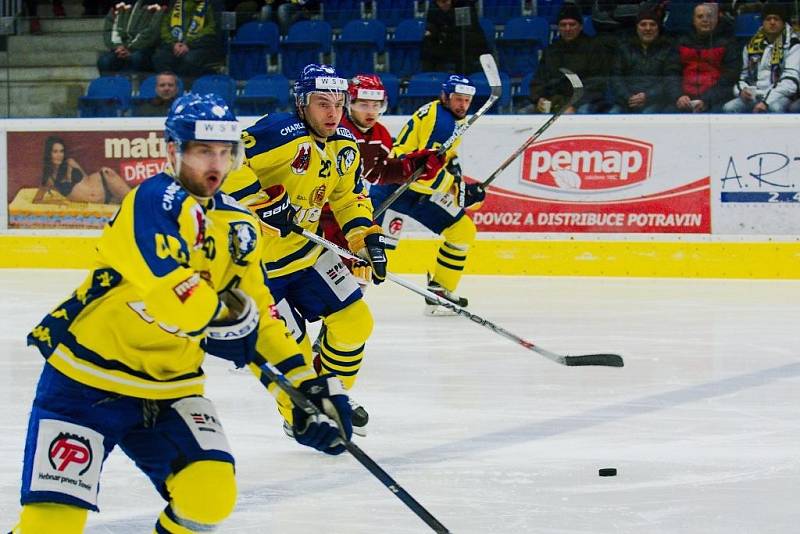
433, 308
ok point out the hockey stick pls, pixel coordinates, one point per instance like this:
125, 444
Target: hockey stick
577, 93
607, 360
493, 77
302, 402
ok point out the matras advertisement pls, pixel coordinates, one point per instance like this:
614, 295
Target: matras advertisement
592, 174
76, 179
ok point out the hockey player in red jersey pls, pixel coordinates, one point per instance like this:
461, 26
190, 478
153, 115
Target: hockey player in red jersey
368, 101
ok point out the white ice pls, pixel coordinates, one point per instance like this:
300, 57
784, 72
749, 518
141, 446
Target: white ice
702, 422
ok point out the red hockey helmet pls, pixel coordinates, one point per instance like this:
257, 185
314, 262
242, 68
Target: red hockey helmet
367, 87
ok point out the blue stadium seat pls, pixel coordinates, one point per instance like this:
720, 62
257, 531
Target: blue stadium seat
219, 84
422, 88
249, 49
338, 12
147, 91
747, 24
588, 26
499, 11
405, 49
263, 94
522, 98
503, 104
679, 18
106, 96
549, 9
520, 43
305, 43
392, 84
358, 46
392, 12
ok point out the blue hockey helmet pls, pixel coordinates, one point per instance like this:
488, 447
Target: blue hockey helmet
458, 84
318, 79
194, 117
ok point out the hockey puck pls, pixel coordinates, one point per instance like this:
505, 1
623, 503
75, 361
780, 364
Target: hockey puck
608, 472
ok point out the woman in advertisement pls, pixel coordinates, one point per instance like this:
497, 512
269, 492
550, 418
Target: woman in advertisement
65, 176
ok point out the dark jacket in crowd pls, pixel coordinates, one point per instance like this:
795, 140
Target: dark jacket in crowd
709, 67
441, 46
585, 57
652, 70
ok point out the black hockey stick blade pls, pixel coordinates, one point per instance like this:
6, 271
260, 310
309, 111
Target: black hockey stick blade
607, 360
576, 83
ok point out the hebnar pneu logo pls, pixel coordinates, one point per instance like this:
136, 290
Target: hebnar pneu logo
67, 449
587, 163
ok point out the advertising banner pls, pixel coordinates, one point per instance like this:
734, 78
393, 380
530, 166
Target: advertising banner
593, 174
755, 175
73, 178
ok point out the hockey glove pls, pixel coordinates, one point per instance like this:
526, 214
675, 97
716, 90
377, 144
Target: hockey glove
470, 195
233, 333
324, 431
274, 211
426, 159
370, 245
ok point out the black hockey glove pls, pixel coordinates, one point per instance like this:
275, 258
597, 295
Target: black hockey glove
274, 211
232, 335
324, 431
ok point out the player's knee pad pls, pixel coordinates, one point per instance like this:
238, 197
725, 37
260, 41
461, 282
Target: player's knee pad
461, 233
201, 496
349, 328
40, 518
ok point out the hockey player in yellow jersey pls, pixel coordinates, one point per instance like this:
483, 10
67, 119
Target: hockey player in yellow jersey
439, 202
300, 161
177, 274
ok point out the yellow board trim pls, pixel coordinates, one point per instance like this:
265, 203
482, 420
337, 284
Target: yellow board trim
686, 259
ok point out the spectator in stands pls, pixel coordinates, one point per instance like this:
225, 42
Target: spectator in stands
450, 48
32, 11
130, 34
708, 64
287, 12
191, 39
579, 53
642, 67
166, 93
770, 73
64, 175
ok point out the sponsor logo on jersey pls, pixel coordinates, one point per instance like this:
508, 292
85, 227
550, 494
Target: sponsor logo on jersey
169, 196
318, 196
68, 449
185, 289
396, 226
206, 422
345, 159
241, 242
587, 163
291, 128
302, 158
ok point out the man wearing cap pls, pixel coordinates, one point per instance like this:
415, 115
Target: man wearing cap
577, 52
437, 200
640, 67
770, 73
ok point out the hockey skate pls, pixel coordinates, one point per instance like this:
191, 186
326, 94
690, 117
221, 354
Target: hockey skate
432, 308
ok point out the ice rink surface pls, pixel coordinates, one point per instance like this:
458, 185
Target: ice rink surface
702, 423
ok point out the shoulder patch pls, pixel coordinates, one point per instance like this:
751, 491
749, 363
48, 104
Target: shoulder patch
345, 132
242, 239
345, 159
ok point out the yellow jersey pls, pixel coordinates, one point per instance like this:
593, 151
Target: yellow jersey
279, 150
430, 127
134, 326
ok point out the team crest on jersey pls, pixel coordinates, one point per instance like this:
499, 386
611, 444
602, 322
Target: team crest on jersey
345, 159
302, 158
241, 242
318, 196
200, 225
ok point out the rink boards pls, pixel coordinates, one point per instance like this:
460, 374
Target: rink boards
664, 196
